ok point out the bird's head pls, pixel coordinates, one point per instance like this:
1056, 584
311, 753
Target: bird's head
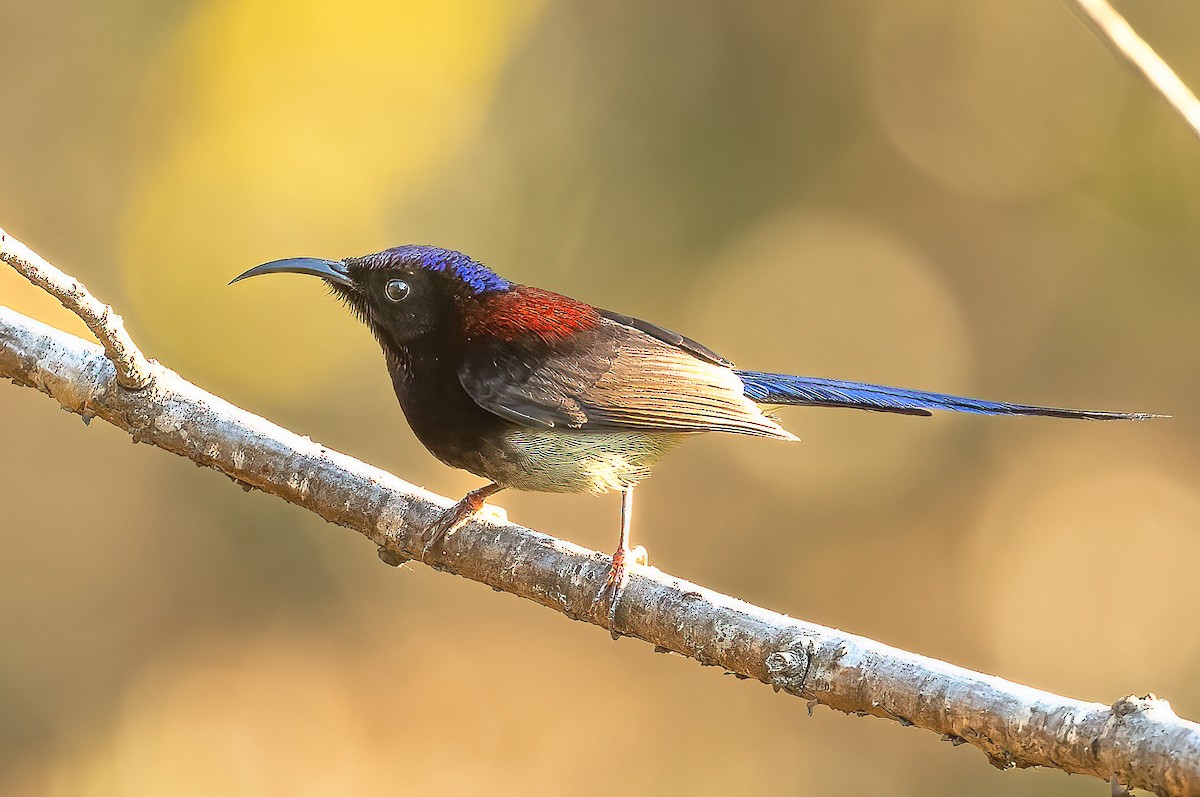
402, 293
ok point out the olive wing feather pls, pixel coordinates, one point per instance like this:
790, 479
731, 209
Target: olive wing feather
615, 376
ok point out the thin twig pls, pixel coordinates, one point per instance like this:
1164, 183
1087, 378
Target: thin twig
134, 371
1140, 741
1118, 33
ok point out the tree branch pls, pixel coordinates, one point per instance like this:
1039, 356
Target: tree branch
1124, 40
133, 370
1136, 741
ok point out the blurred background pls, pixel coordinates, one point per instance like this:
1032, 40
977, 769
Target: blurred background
975, 198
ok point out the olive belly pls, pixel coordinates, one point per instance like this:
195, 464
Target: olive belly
571, 461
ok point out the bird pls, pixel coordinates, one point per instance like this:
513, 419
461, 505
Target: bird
533, 390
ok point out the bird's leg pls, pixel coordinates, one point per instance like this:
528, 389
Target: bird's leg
458, 514
611, 591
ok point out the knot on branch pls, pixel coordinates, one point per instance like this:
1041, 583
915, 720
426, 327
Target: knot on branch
1131, 704
788, 667
391, 558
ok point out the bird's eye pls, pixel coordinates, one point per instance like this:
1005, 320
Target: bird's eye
397, 290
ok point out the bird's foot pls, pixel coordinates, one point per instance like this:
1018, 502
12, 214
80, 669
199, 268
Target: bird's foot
454, 517
610, 593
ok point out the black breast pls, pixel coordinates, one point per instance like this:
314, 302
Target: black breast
444, 418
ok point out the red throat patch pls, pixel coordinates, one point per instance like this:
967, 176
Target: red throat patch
529, 311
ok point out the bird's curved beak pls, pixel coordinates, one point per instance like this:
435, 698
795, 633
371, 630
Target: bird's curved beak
330, 270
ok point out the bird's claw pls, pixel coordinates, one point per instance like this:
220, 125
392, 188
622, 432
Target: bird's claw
454, 517
435, 540
450, 521
614, 583
610, 595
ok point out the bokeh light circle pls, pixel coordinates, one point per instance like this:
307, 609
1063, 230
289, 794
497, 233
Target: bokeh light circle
829, 295
1079, 556
956, 86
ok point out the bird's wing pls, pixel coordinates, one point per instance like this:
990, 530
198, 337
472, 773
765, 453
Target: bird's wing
667, 336
613, 376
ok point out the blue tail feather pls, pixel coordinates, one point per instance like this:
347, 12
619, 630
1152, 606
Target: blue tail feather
812, 391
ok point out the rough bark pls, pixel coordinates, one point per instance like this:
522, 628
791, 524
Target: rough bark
1136, 741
